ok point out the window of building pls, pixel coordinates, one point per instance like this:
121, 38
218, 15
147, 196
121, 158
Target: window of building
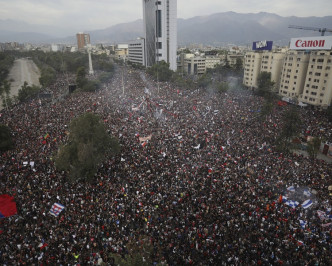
321, 95
326, 75
306, 97
313, 93
158, 23
320, 60
159, 45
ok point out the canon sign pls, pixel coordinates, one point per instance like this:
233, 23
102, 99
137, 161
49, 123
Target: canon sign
311, 43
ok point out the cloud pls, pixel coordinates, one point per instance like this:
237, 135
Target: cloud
80, 15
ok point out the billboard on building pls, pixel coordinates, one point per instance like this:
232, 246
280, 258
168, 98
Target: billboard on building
262, 45
311, 43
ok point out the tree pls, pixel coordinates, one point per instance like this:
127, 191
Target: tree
81, 80
238, 65
291, 128
313, 147
89, 144
329, 113
223, 87
265, 85
292, 123
26, 92
91, 85
6, 140
204, 81
4, 92
161, 71
47, 77
267, 109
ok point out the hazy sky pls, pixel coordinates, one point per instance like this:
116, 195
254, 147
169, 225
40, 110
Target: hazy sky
100, 14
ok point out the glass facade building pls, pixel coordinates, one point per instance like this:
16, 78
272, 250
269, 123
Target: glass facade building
160, 31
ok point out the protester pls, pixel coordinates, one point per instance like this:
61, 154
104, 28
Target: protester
198, 175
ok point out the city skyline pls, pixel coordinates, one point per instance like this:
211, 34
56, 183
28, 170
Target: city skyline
84, 15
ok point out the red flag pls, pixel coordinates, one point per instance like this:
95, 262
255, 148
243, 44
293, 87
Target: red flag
7, 206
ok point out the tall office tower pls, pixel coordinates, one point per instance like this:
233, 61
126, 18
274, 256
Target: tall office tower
83, 39
160, 31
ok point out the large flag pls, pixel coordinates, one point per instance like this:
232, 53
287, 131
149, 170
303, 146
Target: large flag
56, 209
306, 204
291, 189
292, 203
7, 206
144, 139
306, 192
321, 215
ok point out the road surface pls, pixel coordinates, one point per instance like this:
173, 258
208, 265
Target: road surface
22, 70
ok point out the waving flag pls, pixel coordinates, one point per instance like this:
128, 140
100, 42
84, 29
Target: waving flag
292, 203
56, 209
303, 224
291, 189
307, 193
306, 204
321, 215
7, 206
197, 147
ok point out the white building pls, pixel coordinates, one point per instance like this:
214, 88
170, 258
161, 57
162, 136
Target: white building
136, 51
160, 31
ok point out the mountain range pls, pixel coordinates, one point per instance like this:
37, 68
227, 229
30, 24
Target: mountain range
228, 28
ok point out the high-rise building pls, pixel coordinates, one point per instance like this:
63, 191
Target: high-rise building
293, 73
252, 68
160, 31
83, 39
318, 82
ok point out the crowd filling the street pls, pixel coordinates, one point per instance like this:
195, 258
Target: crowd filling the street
198, 177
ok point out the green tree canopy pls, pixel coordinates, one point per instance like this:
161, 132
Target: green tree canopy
313, 147
205, 80
81, 80
47, 77
26, 92
265, 85
329, 113
89, 144
6, 140
223, 87
291, 128
161, 71
5, 92
292, 123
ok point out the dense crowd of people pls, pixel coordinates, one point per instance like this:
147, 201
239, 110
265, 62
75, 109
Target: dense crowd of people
198, 176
